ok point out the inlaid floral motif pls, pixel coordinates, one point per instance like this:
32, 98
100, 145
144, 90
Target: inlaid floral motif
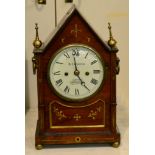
93, 113
77, 117
59, 113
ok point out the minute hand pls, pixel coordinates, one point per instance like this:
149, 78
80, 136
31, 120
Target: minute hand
75, 64
83, 83
76, 72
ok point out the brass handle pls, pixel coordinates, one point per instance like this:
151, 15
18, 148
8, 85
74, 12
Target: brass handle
117, 66
34, 64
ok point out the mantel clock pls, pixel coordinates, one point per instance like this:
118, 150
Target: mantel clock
76, 81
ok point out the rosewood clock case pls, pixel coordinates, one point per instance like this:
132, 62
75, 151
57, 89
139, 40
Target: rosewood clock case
65, 122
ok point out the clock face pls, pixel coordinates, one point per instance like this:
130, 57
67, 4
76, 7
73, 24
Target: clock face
76, 72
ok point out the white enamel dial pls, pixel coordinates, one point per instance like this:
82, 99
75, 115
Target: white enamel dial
76, 72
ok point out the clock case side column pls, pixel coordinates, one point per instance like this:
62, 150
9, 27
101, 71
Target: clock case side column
41, 108
113, 102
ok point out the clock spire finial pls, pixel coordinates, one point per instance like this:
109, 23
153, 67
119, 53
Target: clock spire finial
111, 42
37, 42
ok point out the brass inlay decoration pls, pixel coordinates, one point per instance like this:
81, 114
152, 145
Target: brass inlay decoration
75, 30
77, 117
62, 40
93, 113
111, 42
88, 39
77, 126
77, 139
79, 106
59, 113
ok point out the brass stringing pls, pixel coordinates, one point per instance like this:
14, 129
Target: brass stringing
59, 113
93, 113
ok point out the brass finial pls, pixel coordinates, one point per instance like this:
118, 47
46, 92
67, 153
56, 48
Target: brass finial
111, 42
37, 43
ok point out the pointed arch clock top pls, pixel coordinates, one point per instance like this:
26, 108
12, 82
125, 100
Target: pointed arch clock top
73, 11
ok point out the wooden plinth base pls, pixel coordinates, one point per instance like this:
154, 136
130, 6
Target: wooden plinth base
43, 139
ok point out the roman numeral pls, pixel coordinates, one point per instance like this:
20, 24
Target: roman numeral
57, 73
59, 82
94, 81
86, 56
75, 52
66, 55
93, 62
96, 71
77, 91
59, 62
66, 90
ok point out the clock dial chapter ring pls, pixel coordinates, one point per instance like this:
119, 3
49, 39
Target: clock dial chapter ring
76, 72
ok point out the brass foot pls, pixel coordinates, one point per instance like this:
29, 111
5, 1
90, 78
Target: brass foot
39, 147
116, 144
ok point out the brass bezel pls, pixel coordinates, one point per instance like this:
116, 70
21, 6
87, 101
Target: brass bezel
48, 72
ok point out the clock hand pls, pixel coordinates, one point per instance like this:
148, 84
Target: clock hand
83, 84
76, 73
75, 64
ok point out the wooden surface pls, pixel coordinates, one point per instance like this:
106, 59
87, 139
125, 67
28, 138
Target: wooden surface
105, 98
